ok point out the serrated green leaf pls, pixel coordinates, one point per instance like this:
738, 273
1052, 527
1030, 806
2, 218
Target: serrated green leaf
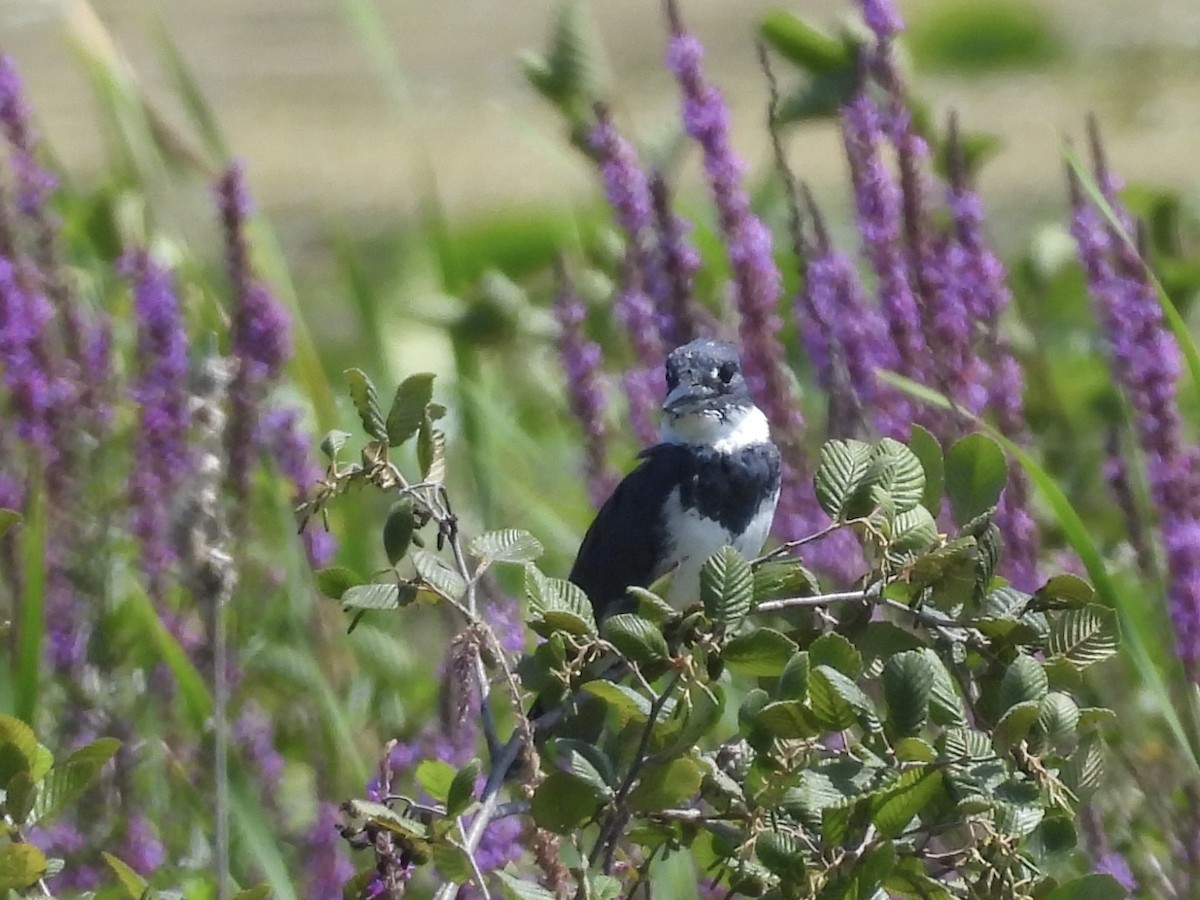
462, 788
1093, 717
398, 530
1064, 592
913, 531
763, 652
508, 545
788, 720
1059, 717
629, 705
900, 474
18, 748
452, 862
914, 749
1014, 725
726, 587
1084, 636
333, 442
587, 762
929, 451
843, 466
334, 581
777, 579
907, 688
793, 680
408, 408
835, 651
945, 703
1084, 769
651, 606
366, 402
780, 852
909, 880
68, 779
438, 575
563, 802
134, 885
1024, 680
635, 637
898, 804
837, 702
21, 796
376, 596
666, 784
431, 453
517, 889
976, 472
435, 776
557, 604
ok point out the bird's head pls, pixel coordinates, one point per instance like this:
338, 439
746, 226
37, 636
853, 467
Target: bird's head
708, 401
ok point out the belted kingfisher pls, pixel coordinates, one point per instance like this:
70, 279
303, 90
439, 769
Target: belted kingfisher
712, 480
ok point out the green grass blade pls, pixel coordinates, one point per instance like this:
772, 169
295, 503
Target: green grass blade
197, 699
255, 837
33, 595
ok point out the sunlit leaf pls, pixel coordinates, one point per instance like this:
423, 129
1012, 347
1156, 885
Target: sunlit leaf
726, 587
366, 402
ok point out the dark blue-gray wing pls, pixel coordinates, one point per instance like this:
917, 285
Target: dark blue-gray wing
626, 544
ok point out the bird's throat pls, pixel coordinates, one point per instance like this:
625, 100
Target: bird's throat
726, 431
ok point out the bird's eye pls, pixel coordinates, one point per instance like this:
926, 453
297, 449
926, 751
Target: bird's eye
726, 372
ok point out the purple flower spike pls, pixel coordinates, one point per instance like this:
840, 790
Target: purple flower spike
260, 331
283, 434
583, 362
34, 183
326, 869
757, 284
35, 390
879, 216
160, 388
882, 18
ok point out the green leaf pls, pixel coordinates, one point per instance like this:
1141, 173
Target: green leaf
793, 680
452, 862
662, 785
726, 587
780, 852
18, 748
763, 652
635, 637
398, 529
334, 581
333, 442
1089, 887
68, 779
1058, 717
913, 531
21, 796
945, 703
436, 776
134, 884
408, 408
897, 805
508, 545
1025, 680
835, 651
651, 606
909, 879
438, 575
837, 702
21, 865
929, 451
913, 749
976, 472
803, 45
462, 788
778, 579
516, 889
376, 596
898, 472
366, 402
1084, 636
585, 761
8, 518
629, 705
1084, 769
1014, 725
907, 688
557, 604
258, 892
843, 466
788, 720
564, 802
1064, 592
431, 453
30, 636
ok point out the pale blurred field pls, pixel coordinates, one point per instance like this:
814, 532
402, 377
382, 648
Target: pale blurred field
327, 141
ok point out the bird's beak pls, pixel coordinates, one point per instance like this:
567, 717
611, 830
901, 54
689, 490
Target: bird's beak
687, 396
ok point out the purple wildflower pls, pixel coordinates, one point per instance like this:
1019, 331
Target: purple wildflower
34, 389
1116, 865
161, 391
260, 330
34, 183
142, 849
878, 204
1145, 362
882, 18
582, 360
284, 435
326, 869
645, 391
254, 734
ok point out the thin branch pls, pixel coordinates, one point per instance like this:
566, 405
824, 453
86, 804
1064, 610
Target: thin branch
864, 596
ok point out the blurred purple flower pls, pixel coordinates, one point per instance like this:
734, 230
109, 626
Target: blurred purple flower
882, 18
142, 849
325, 867
35, 390
582, 360
34, 183
679, 318
253, 733
285, 437
160, 388
1116, 865
645, 391
260, 332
